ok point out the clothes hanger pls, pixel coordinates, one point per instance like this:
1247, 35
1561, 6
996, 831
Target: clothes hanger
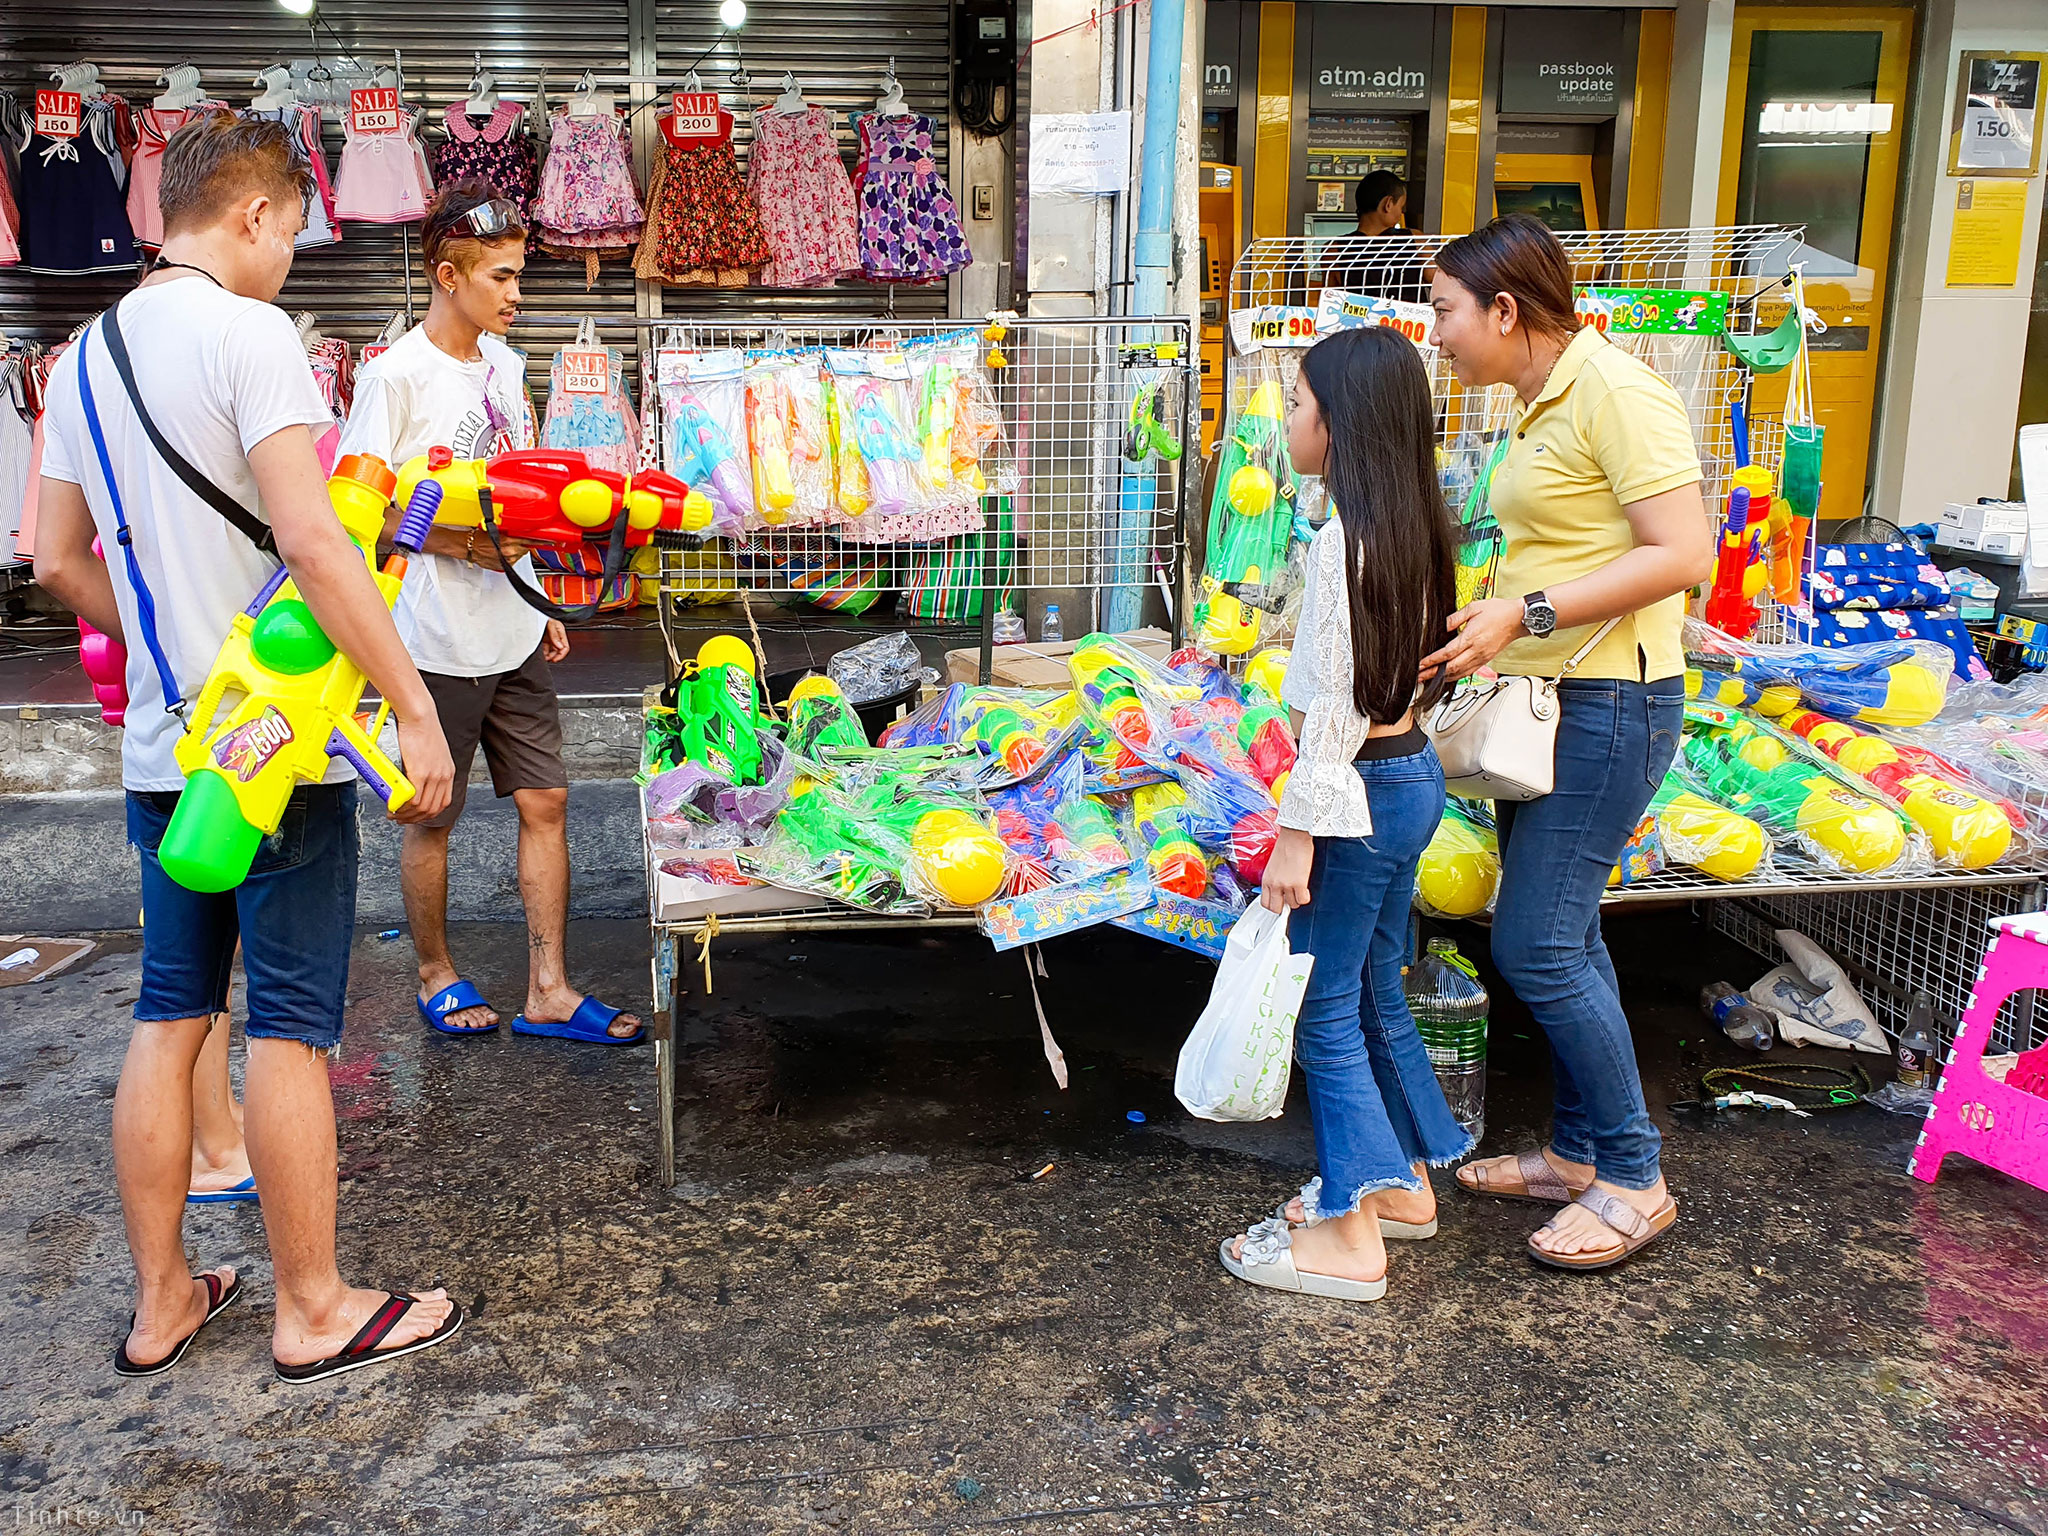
483, 91
277, 91
587, 100
184, 88
890, 103
791, 102
309, 328
81, 77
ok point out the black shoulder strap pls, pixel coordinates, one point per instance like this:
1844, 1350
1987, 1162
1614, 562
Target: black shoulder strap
532, 596
252, 528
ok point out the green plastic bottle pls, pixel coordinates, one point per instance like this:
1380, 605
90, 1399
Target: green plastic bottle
1450, 1009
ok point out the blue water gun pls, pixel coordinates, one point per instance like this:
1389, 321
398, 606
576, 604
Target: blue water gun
706, 457
886, 448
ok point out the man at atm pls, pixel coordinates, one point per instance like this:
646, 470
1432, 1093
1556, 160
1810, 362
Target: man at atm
1381, 257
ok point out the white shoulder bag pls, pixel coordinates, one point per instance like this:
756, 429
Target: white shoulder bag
1497, 736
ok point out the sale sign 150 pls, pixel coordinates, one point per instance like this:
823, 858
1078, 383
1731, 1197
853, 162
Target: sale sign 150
374, 110
58, 114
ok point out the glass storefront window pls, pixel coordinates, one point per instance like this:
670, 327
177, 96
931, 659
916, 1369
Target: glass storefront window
1811, 112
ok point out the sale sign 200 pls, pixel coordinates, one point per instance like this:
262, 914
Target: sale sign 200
374, 110
58, 114
693, 115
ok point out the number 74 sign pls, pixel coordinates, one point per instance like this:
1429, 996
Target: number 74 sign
1996, 128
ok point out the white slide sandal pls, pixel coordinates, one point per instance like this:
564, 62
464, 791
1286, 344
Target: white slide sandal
1268, 1260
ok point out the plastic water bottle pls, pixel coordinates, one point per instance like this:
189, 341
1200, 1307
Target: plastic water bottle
1009, 627
1049, 628
1450, 1008
1740, 1019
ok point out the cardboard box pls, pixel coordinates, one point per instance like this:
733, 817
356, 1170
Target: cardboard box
679, 899
1043, 666
1992, 527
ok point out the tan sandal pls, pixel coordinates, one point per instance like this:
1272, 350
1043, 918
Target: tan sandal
1540, 1183
1632, 1230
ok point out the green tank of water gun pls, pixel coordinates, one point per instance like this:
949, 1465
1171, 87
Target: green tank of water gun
718, 712
819, 716
1250, 523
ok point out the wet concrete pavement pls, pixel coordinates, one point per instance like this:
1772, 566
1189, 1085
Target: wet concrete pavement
858, 1313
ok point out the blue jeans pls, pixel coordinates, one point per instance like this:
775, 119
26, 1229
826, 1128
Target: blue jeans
1614, 741
1371, 1093
295, 917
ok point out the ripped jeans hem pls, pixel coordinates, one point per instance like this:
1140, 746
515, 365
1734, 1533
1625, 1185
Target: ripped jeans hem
1311, 1196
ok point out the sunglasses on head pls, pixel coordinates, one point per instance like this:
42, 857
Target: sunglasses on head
487, 221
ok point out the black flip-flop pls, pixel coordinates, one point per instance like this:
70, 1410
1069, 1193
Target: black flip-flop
217, 1298
362, 1350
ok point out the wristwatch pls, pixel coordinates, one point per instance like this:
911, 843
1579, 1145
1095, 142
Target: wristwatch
1538, 617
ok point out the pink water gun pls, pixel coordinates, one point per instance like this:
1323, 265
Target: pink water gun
105, 660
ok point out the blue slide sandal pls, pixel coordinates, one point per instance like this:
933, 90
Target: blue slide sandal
453, 1000
591, 1022
246, 1190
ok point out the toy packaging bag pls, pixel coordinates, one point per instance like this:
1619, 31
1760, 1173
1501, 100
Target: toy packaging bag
1460, 870
1897, 682
703, 406
786, 439
958, 429
882, 480
1251, 521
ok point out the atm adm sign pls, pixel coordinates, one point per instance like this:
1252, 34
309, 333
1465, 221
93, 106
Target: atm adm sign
1374, 79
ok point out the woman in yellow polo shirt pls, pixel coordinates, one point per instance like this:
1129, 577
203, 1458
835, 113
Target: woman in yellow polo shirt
1598, 498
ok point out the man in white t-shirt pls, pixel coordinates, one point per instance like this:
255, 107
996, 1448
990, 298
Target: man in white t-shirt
223, 376
451, 382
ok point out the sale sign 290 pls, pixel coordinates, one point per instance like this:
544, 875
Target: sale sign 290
586, 371
374, 110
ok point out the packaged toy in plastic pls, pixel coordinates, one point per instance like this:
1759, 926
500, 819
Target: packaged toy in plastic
881, 480
1898, 682
1693, 831
821, 718
1251, 523
1128, 696
786, 439
893, 844
703, 407
876, 668
1813, 812
1460, 870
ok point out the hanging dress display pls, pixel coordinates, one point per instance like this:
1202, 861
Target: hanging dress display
493, 149
808, 210
909, 223
73, 219
588, 209
323, 226
703, 231
600, 424
153, 129
384, 176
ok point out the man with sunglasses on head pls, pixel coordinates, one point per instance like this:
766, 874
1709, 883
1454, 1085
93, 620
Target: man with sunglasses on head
452, 382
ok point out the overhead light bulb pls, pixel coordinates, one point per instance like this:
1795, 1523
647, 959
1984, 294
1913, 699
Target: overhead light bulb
299, 7
733, 13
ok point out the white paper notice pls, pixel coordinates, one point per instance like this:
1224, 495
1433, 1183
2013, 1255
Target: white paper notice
1084, 154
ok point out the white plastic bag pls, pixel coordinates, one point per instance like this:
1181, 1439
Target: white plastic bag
1236, 1060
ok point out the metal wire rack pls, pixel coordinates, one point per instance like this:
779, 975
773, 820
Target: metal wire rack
1081, 516
1898, 942
1743, 261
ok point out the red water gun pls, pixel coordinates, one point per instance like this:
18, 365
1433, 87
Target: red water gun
555, 497
1728, 609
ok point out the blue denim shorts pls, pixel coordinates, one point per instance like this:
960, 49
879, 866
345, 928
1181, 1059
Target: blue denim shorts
295, 917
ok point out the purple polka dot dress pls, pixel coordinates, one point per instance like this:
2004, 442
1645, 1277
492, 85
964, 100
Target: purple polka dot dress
909, 224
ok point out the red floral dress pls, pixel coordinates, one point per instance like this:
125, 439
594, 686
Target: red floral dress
703, 230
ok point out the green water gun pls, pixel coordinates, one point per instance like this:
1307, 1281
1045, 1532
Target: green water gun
1250, 524
718, 712
1753, 773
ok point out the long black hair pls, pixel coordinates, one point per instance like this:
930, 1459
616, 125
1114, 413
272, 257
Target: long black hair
1400, 550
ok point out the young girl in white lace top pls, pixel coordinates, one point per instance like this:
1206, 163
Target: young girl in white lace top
1362, 803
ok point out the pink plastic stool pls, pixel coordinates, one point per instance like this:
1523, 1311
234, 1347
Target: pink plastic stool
1995, 1123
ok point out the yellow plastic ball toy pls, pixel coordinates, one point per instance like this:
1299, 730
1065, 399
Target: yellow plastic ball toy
1251, 491
1267, 670
726, 651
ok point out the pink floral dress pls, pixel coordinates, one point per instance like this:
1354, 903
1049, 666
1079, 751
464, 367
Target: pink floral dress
808, 211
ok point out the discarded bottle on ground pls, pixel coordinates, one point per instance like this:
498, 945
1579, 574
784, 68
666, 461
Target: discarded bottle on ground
1918, 1044
1741, 1020
1450, 1007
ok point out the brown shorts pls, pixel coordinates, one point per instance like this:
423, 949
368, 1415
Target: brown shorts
514, 716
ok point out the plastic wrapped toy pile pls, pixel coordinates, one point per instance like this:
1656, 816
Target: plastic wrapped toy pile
1802, 761
1145, 793
899, 441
